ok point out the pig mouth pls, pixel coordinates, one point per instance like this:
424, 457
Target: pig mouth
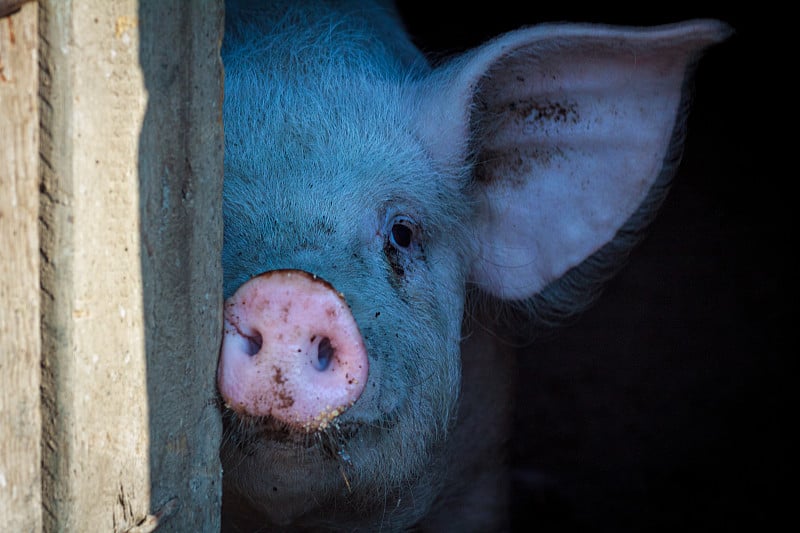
246, 432
340, 443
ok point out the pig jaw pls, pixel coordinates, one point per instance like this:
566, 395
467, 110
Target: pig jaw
302, 486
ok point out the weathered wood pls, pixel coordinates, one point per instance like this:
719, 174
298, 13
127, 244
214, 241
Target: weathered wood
180, 170
20, 419
131, 232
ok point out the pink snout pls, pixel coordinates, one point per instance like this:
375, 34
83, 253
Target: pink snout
291, 350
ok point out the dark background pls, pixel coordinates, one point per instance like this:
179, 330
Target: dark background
664, 408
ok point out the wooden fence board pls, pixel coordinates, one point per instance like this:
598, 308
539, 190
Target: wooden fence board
131, 233
20, 420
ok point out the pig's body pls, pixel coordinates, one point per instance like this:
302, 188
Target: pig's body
350, 158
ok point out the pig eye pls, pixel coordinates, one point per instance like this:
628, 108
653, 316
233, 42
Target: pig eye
402, 233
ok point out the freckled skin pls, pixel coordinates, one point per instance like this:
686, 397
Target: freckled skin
269, 321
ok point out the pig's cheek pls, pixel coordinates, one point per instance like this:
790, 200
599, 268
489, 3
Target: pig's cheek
377, 399
386, 400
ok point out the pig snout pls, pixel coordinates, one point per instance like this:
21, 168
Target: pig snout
291, 350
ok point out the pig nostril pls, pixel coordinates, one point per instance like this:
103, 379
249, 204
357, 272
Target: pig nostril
324, 354
254, 343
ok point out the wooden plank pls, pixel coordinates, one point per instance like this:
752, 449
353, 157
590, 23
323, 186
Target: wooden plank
182, 146
131, 233
20, 419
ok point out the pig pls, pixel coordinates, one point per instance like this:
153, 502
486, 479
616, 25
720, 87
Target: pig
385, 216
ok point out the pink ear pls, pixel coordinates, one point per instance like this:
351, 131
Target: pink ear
570, 126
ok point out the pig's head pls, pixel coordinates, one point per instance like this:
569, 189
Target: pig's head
365, 191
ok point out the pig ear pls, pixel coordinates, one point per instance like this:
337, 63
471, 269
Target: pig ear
568, 127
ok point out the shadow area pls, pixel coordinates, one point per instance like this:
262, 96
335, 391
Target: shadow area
665, 407
180, 162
